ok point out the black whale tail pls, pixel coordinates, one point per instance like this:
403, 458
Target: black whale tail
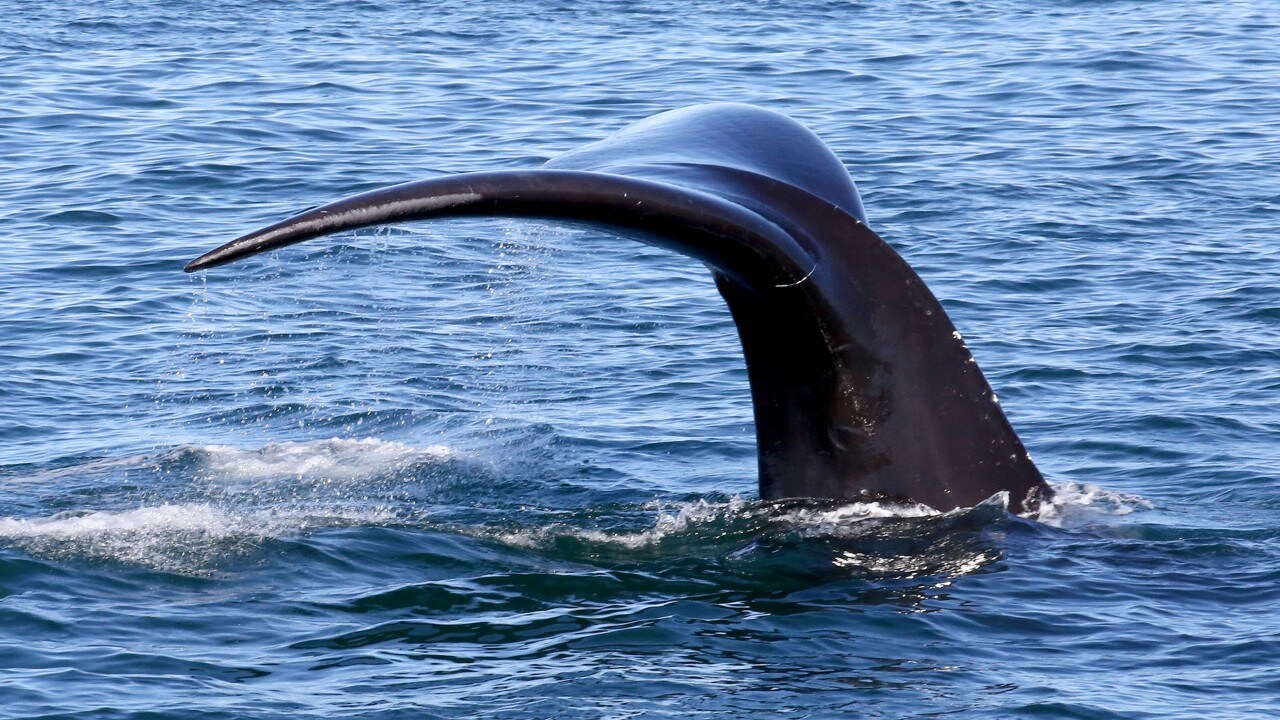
724, 235
862, 388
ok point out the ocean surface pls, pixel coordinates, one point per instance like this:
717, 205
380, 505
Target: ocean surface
506, 469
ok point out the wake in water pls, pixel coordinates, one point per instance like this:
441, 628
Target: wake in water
207, 509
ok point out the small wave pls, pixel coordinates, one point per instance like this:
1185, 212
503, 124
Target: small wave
685, 519
82, 217
180, 538
217, 503
1076, 503
871, 539
221, 502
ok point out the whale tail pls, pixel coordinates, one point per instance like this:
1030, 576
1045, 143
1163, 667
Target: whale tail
861, 386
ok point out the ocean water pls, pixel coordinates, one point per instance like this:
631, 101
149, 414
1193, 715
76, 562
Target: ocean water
506, 469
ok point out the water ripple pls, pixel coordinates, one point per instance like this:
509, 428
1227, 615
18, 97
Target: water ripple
497, 469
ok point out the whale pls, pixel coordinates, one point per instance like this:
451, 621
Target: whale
862, 388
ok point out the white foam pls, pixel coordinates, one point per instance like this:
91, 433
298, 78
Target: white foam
184, 538
241, 498
334, 458
140, 521
672, 520
686, 518
1073, 503
815, 522
665, 524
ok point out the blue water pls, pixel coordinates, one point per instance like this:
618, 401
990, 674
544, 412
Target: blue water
506, 469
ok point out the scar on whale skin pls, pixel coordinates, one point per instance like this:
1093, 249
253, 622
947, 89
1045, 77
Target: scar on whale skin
861, 386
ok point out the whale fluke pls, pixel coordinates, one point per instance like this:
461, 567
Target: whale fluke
862, 388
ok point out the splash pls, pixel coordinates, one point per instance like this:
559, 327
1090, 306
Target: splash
218, 504
333, 458
1078, 503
